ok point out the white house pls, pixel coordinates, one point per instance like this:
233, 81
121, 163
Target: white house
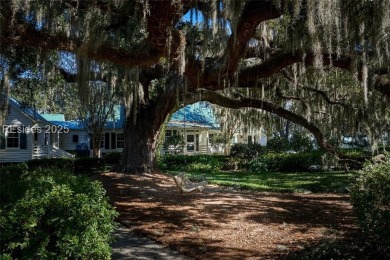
26, 135
196, 124
78, 139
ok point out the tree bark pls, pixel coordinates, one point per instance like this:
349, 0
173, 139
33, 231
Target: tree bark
142, 131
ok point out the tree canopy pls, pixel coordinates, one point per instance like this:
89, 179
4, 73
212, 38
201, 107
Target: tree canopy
322, 64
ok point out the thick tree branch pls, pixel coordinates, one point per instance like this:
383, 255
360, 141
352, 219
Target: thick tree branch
221, 100
156, 46
26, 35
281, 95
253, 14
249, 76
317, 91
325, 96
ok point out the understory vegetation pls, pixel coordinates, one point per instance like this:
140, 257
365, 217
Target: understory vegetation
51, 213
369, 189
254, 158
253, 167
370, 196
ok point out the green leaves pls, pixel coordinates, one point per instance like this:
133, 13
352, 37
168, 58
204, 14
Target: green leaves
370, 196
59, 216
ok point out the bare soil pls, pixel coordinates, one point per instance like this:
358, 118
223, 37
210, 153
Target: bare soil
224, 223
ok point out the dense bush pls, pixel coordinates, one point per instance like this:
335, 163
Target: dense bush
300, 142
370, 195
112, 158
88, 165
11, 182
285, 162
78, 165
202, 167
54, 163
258, 165
355, 153
53, 214
246, 151
181, 162
278, 144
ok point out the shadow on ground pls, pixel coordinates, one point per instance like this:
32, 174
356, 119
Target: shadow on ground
226, 223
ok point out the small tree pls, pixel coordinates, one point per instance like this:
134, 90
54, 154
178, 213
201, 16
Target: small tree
96, 111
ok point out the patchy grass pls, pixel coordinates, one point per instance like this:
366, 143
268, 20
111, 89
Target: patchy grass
316, 182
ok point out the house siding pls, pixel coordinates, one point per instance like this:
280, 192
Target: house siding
17, 154
67, 143
66, 140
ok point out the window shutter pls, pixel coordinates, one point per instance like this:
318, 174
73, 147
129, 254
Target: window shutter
113, 140
75, 138
23, 140
107, 141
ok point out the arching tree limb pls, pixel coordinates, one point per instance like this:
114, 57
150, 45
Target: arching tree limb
221, 100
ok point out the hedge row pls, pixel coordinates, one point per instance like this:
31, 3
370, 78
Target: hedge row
79, 165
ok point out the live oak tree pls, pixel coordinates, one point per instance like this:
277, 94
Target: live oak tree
321, 64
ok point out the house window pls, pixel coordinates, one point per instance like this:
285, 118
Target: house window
190, 138
13, 137
75, 138
120, 140
168, 133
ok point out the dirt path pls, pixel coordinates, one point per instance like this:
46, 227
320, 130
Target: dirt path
129, 245
224, 223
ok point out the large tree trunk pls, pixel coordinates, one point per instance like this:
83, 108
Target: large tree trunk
141, 133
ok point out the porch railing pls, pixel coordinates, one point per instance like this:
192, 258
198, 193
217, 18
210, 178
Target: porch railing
40, 151
56, 152
45, 151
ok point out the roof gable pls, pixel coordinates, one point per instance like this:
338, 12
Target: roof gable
26, 110
198, 115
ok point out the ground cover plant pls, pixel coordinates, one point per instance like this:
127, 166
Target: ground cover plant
264, 172
53, 214
336, 182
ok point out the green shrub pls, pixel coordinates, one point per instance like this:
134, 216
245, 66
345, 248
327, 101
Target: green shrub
246, 151
199, 167
54, 163
278, 144
300, 142
370, 196
242, 154
257, 165
78, 165
59, 216
288, 162
181, 162
112, 158
88, 165
12, 182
